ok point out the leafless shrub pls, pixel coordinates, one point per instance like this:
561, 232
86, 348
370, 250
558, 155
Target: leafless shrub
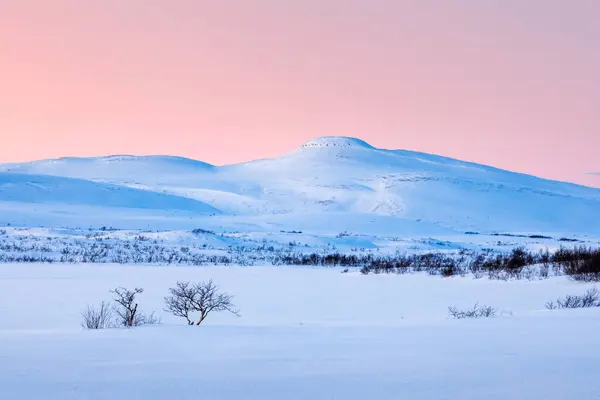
551, 305
487, 312
476, 312
202, 297
149, 319
591, 298
528, 273
180, 302
98, 318
544, 271
124, 313
128, 314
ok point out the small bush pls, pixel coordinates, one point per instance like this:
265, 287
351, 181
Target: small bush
149, 319
476, 312
564, 239
203, 297
539, 237
127, 309
98, 318
200, 231
449, 269
591, 298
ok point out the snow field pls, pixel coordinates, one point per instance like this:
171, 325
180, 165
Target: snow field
303, 333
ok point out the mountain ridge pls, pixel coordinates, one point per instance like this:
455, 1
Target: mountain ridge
332, 175
324, 142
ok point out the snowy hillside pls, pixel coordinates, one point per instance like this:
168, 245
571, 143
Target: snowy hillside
43, 189
28, 188
333, 183
123, 168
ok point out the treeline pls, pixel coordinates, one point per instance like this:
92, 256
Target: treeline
581, 263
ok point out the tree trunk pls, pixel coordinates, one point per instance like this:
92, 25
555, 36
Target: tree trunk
132, 316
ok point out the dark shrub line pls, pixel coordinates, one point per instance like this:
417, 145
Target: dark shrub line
580, 262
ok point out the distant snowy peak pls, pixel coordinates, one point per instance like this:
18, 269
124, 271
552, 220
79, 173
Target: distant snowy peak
165, 160
336, 141
112, 167
157, 158
359, 150
119, 158
329, 149
344, 153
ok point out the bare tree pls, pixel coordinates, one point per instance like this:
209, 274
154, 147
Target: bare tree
98, 318
127, 311
202, 297
181, 300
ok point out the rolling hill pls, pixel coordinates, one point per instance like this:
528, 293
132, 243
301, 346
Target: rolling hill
327, 183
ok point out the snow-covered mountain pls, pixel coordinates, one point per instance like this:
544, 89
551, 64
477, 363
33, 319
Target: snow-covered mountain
327, 183
121, 168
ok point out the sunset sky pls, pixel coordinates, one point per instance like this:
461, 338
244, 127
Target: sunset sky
512, 83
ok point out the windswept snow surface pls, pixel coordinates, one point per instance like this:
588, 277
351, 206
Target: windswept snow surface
302, 334
44, 189
323, 185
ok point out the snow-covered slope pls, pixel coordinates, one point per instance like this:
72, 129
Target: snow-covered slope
331, 180
44, 189
120, 168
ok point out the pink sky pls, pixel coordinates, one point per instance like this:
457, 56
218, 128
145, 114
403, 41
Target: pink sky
514, 84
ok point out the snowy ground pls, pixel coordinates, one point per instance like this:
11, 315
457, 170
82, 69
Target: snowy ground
303, 334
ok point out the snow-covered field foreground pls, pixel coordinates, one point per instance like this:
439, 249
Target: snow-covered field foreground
303, 334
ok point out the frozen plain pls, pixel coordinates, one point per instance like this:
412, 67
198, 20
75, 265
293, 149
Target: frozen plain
304, 333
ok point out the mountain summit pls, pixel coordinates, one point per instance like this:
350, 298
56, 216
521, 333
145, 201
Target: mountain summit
336, 141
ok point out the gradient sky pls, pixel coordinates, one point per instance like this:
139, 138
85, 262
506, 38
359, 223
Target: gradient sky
511, 83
